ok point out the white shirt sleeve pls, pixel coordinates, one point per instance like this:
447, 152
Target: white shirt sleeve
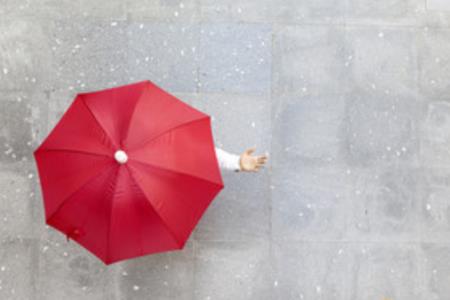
228, 161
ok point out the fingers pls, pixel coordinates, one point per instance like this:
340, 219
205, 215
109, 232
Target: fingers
250, 150
258, 166
261, 159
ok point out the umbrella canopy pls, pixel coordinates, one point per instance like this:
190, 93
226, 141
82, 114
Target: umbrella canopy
128, 171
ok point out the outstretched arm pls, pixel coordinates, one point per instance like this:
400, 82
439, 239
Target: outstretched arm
244, 162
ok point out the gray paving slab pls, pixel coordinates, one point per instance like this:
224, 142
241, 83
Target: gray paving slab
309, 59
244, 270
287, 12
235, 58
161, 276
165, 53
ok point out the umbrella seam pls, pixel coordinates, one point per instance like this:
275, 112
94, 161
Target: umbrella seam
169, 130
172, 234
140, 219
98, 122
67, 199
133, 112
177, 172
108, 238
74, 150
219, 186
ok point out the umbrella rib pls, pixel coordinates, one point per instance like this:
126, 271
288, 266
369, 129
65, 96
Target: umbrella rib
98, 122
175, 171
108, 237
141, 248
172, 234
75, 151
76, 191
168, 130
132, 112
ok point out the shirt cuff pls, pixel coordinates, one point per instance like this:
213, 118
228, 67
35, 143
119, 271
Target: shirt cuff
235, 162
227, 160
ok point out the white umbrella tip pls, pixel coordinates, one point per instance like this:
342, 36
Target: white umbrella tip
120, 156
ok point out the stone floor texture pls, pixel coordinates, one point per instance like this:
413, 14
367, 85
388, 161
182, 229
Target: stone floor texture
350, 98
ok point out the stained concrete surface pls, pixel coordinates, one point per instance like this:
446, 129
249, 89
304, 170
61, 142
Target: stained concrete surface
350, 98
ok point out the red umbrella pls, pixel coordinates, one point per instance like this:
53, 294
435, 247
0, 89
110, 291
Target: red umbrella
128, 171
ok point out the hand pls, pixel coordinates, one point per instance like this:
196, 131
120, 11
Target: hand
251, 163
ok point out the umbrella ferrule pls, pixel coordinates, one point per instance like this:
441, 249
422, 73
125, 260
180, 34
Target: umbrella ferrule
120, 156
